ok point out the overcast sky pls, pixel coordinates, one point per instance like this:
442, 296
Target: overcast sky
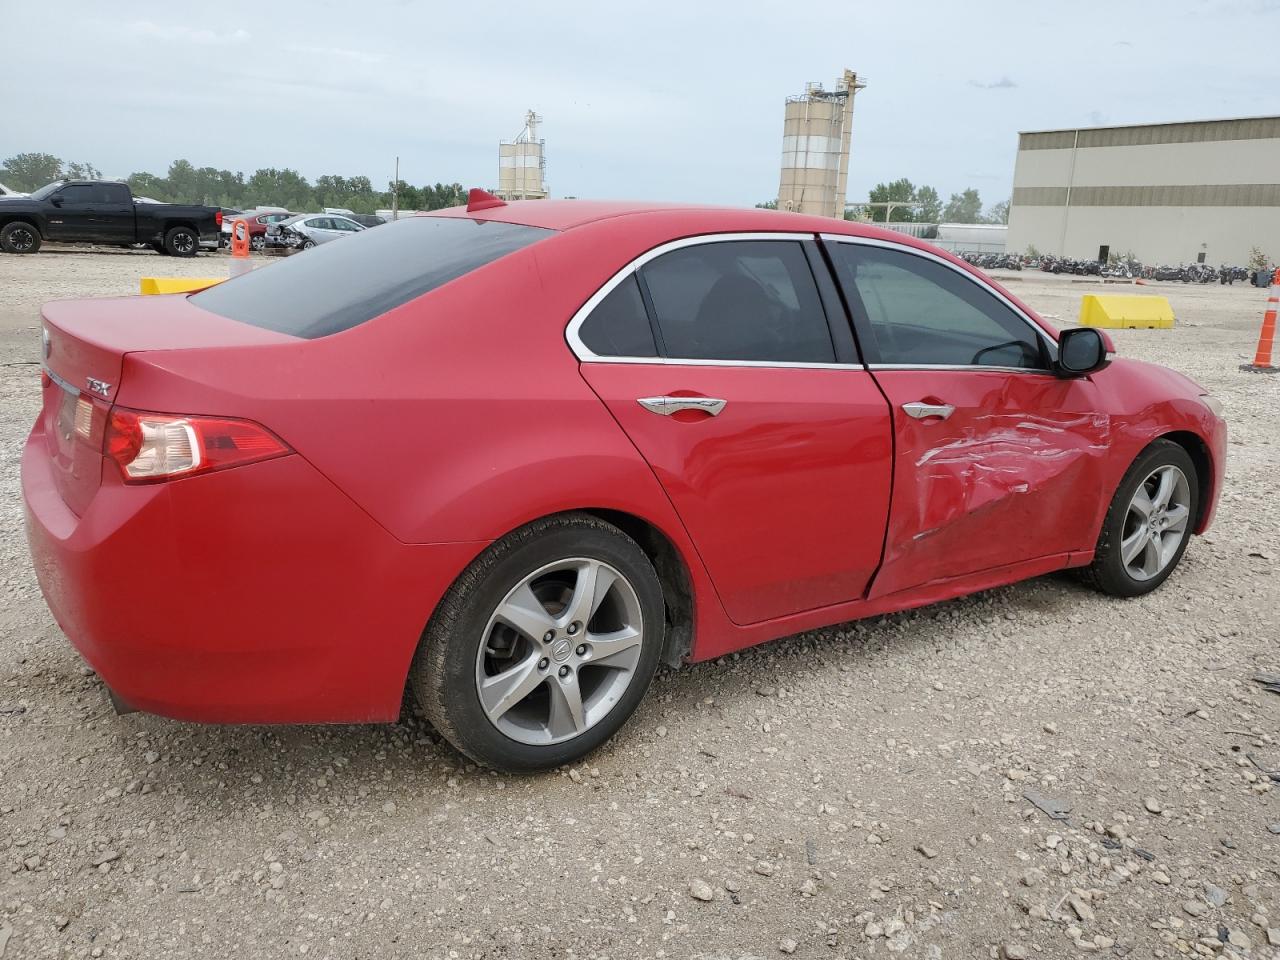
655, 100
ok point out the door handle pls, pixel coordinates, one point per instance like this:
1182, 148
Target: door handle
923, 411
666, 406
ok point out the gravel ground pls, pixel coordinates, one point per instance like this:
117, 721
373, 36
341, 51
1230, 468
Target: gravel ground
853, 792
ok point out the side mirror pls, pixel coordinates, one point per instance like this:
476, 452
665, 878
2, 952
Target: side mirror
1081, 351
56, 200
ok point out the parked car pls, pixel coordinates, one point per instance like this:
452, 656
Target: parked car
517, 454
367, 219
308, 230
258, 222
6, 192
103, 211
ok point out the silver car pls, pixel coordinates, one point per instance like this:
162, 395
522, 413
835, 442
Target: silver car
308, 229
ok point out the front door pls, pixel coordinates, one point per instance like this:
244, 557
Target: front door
997, 460
71, 213
718, 361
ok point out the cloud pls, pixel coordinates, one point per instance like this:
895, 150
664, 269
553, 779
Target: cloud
1004, 83
173, 33
341, 53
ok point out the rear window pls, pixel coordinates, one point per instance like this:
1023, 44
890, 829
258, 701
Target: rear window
340, 285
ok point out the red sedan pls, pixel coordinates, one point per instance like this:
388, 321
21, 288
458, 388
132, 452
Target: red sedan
519, 454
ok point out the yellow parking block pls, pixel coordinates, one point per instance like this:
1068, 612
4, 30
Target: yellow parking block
1125, 311
178, 284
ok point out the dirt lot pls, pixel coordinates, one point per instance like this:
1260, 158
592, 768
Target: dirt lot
854, 792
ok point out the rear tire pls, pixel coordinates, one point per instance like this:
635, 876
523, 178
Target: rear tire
307, 245
257, 242
1147, 527
592, 625
181, 242
20, 238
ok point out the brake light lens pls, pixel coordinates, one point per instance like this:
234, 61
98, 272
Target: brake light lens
217, 218
157, 446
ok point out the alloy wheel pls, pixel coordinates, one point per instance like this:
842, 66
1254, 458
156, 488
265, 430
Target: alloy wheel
22, 239
559, 651
1156, 522
183, 242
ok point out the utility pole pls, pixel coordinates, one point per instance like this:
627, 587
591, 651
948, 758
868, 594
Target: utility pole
395, 193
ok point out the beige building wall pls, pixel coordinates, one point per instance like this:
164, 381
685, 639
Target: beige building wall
1166, 192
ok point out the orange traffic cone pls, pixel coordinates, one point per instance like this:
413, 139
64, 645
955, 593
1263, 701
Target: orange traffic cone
240, 248
1262, 359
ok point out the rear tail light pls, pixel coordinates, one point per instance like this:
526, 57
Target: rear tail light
217, 218
158, 446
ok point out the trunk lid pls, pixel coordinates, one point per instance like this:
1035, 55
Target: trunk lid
85, 343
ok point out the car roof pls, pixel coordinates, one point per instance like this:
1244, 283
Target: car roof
569, 214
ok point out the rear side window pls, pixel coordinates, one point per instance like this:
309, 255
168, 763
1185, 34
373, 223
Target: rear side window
619, 326
336, 286
739, 300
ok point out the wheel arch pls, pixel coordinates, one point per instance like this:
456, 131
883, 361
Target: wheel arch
29, 220
673, 575
1198, 450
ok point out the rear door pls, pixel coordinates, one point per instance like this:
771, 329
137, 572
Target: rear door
998, 461
717, 357
114, 218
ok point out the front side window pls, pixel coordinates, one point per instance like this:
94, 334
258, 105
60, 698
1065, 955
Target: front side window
750, 300
78, 193
919, 312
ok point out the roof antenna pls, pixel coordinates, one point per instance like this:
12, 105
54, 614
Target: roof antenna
478, 199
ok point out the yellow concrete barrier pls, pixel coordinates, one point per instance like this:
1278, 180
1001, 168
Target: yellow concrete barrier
177, 284
1125, 311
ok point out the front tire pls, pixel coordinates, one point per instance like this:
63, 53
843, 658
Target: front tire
19, 238
181, 242
544, 646
1149, 523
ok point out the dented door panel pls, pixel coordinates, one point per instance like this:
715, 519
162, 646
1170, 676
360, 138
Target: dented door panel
1012, 474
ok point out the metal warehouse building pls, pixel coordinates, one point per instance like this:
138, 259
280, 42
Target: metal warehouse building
1171, 192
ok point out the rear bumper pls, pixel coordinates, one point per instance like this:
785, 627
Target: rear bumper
259, 594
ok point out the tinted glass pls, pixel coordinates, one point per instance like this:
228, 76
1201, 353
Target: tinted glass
619, 326
337, 286
116, 193
921, 312
78, 193
739, 300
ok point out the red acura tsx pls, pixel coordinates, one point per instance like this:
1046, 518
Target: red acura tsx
518, 454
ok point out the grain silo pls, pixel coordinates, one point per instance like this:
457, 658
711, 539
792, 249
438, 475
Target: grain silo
815, 148
522, 164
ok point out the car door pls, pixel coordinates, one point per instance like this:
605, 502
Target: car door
71, 213
730, 365
997, 460
322, 229
114, 219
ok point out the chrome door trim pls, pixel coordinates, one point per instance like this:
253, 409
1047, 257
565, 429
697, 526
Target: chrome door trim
666, 406
1049, 342
919, 410
586, 355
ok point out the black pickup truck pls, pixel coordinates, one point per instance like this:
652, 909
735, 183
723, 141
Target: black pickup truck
103, 211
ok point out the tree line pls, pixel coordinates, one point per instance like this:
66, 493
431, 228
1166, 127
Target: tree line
921, 205
927, 207
186, 183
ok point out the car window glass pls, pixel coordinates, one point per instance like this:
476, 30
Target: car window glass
115, 193
922, 312
739, 300
619, 326
77, 193
316, 295
318, 223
